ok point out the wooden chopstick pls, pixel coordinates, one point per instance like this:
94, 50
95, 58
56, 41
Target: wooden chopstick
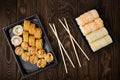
61, 47
81, 49
72, 43
76, 41
60, 50
67, 29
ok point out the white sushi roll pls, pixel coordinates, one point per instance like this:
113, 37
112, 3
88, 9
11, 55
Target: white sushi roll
16, 40
18, 30
94, 13
100, 43
96, 35
84, 30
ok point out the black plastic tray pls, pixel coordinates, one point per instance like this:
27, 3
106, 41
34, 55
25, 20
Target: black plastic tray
27, 68
106, 25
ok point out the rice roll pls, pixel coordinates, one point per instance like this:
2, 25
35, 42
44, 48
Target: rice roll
49, 57
25, 56
32, 29
94, 13
32, 50
41, 53
88, 28
96, 35
88, 17
16, 40
18, 30
41, 63
26, 25
39, 43
85, 30
24, 45
25, 36
100, 43
38, 33
33, 59
19, 51
81, 20
92, 26
99, 22
31, 40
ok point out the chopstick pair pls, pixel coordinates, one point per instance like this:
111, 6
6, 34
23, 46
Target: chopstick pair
73, 41
61, 48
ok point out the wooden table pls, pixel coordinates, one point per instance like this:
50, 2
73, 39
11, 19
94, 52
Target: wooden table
102, 66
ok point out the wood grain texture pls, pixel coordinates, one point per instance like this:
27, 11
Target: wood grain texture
7, 62
102, 66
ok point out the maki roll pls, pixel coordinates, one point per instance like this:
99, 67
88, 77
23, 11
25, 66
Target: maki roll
101, 43
18, 30
97, 35
16, 40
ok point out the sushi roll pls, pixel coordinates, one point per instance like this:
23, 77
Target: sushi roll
49, 57
25, 56
41, 63
81, 20
18, 30
88, 17
100, 43
84, 19
32, 29
96, 35
93, 26
26, 25
39, 43
31, 40
33, 59
88, 28
32, 50
99, 22
38, 33
25, 36
94, 13
85, 30
24, 45
19, 51
41, 53
16, 40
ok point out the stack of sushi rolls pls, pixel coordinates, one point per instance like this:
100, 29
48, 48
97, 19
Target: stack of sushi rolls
92, 27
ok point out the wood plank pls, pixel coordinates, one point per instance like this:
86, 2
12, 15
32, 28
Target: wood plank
108, 57
7, 61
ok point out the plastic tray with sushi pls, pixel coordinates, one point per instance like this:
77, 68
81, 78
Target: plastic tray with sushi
94, 29
27, 68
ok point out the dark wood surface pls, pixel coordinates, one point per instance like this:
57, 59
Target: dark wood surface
103, 66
